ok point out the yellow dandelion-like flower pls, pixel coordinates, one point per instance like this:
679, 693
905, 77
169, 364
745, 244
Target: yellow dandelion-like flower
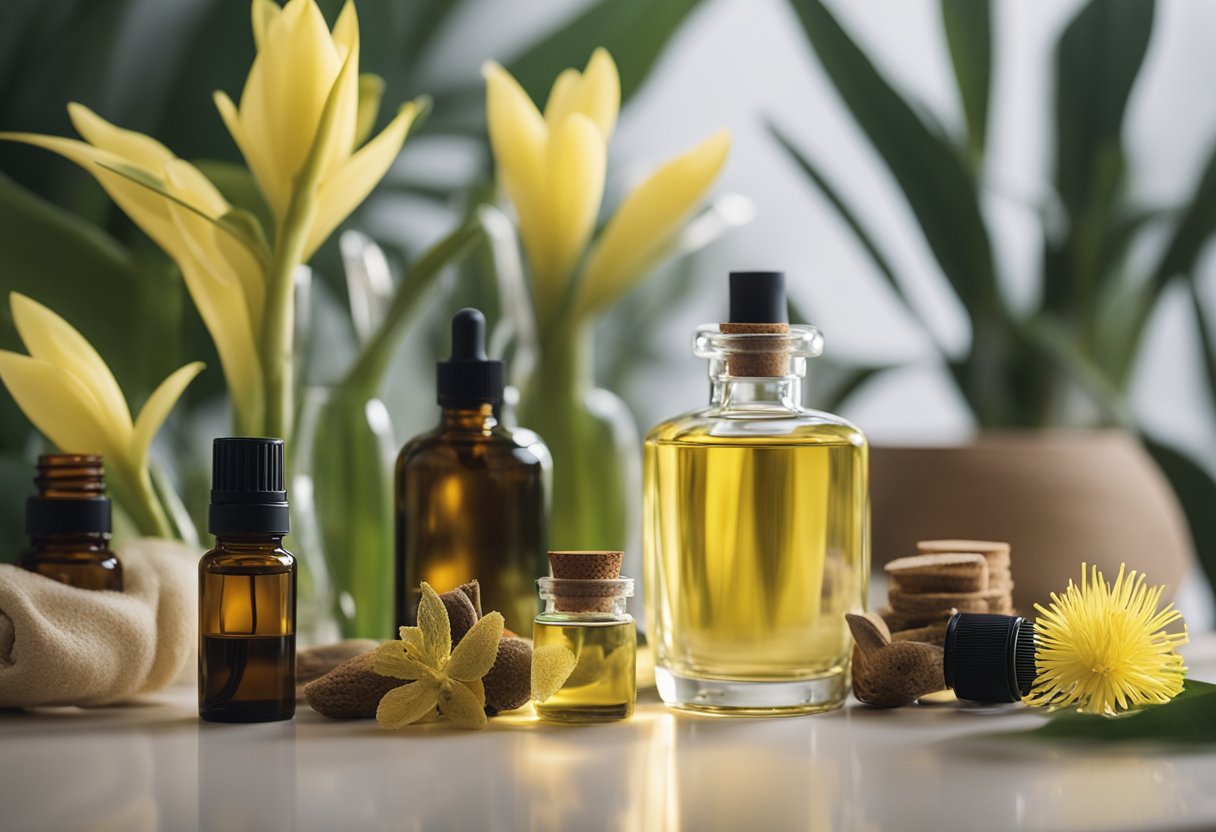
1103, 649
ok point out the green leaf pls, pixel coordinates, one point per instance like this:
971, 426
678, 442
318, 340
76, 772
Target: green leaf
1196, 491
930, 172
968, 25
1190, 718
1046, 335
1097, 61
237, 185
634, 31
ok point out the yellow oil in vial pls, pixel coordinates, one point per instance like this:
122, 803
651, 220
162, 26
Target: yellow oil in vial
603, 685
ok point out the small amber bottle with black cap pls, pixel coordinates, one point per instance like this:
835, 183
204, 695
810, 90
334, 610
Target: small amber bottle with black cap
470, 494
247, 589
68, 524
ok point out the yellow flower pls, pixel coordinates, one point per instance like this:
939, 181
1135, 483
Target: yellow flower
302, 115
179, 208
65, 388
439, 677
552, 167
1104, 649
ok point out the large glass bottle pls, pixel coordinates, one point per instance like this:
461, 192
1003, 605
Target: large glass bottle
756, 525
470, 494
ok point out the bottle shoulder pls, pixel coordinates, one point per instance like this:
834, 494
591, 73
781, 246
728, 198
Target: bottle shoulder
520, 447
252, 558
757, 426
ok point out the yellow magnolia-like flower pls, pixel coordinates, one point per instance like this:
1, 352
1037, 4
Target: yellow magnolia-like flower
65, 388
178, 207
440, 678
552, 167
302, 115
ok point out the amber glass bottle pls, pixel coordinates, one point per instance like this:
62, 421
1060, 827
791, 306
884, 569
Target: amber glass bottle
247, 589
68, 524
470, 494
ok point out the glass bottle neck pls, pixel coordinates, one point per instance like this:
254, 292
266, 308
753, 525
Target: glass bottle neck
249, 542
778, 392
479, 419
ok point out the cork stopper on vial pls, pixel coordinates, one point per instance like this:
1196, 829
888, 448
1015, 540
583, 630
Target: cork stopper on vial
758, 307
585, 581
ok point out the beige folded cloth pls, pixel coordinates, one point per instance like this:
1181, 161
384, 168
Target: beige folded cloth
60, 645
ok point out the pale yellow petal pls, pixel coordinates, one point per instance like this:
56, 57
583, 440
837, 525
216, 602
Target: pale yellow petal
50, 338
284, 95
59, 405
229, 259
346, 28
265, 13
257, 154
560, 102
436, 629
460, 707
371, 91
220, 304
518, 137
137, 148
145, 207
156, 409
407, 704
345, 188
647, 220
475, 654
575, 170
345, 119
552, 665
390, 659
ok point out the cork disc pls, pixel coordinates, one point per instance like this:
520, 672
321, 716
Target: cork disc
586, 565
962, 572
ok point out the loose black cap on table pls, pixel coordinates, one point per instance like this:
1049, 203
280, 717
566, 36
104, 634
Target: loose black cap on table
758, 298
989, 658
248, 487
468, 378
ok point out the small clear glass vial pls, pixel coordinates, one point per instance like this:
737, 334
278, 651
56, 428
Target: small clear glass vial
588, 618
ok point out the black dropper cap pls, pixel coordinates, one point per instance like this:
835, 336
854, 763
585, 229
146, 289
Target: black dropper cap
758, 298
989, 658
87, 515
248, 490
468, 378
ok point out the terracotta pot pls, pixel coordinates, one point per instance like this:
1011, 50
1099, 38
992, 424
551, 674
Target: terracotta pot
1059, 497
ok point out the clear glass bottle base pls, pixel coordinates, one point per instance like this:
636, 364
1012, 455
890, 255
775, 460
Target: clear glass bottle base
731, 698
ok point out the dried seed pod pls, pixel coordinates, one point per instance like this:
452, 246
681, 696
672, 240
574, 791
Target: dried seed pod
509, 682
352, 690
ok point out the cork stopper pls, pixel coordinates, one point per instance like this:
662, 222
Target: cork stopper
585, 581
765, 357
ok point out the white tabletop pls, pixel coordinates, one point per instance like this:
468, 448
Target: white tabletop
155, 766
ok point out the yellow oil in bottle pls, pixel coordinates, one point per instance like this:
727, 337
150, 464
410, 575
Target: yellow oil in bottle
603, 685
756, 550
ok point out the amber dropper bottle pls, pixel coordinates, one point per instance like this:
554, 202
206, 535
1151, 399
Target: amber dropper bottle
470, 494
247, 589
68, 524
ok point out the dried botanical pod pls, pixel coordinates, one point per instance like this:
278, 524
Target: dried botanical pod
462, 614
352, 690
509, 682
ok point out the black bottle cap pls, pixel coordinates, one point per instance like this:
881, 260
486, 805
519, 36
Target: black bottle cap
758, 298
248, 487
89, 515
989, 658
468, 378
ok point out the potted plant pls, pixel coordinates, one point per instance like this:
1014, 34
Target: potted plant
1060, 467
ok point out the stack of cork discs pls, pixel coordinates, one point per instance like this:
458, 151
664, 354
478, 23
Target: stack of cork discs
947, 576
